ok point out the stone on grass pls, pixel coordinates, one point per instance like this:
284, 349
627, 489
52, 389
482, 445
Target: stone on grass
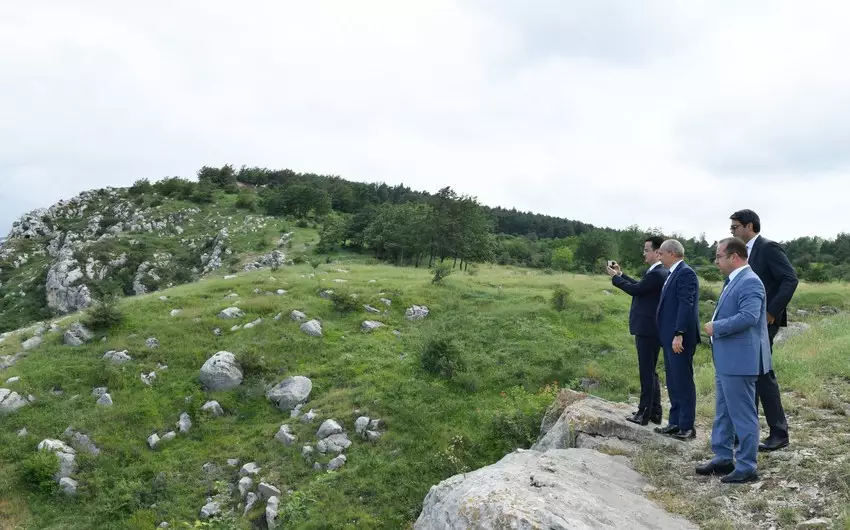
12, 380
11, 401
231, 312
105, 400
153, 440
170, 435
77, 335
297, 316
251, 468
335, 443
336, 463
221, 372
81, 442
285, 436
149, 378
217, 332
290, 392
328, 428
213, 408
99, 391
185, 423
369, 326
376, 424
23, 432
309, 417
307, 452
371, 436
33, 342
250, 500
152, 342
416, 312
312, 328
370, 309
267, 491
211, 509
272, 507
232, 462
387, 302
175, 312
117, 357
361, 425
68, 486
246, 484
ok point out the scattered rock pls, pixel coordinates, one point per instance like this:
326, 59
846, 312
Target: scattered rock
211, 509
267, 491
68, 486
175, 312
278, 316
11, 401
77, 335
163, 298
32, 342
387, 302
221, 372
370, 309
376, 424
152, 342
794, 328
153, 440
285, 436
185, 423
312, 328
105, 400
99, 391
148, 379
819, 522
369, 326
281, 292
117, 357
23, 432
250, 500
12, 380
290, 392
372, 436
246, 484
231, 312
309, 417
213, 408
361, 424
81, 442
416, 312
328, 428
339, 461
272, 507
65, 454
170, 435
326, 294
307, 452
335, 443
829, 310
555, 489
217, 332
297, 316
251, 468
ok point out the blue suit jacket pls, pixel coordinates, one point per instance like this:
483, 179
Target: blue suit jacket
678, 309
740, 327
645, 294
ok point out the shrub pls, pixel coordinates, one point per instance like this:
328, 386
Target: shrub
707, 293
711, 274
516, 428
441, 270
253, 364
141, 187
298, 260
560, 297
441, 357
105, 314
344, 302
37, 472
302, 223
247, 200
594, 315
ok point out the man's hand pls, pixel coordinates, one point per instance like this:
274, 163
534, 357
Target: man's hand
770, 319
611, 272
677, 344
709, 329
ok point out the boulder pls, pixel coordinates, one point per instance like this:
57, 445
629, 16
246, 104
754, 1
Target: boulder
794, 328
297, 316
336, 463
361, 425
81, 442
185, 423
221, 372
68, 486
66, 455
32, 342
267, 491
285, 436
249, 469
290, 392
65, 293
556, 489
11, 401
117, 357
213, 408
245, 485
272, 508
105, 400
312, 328
416, 312
335, 443
369, 326
210, 510
328, 428
77, 335
581, 420
152, 342
231, 312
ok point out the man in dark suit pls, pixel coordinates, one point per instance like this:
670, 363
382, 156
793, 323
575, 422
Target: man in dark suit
741, 351
678, 330
645, 296
769, 262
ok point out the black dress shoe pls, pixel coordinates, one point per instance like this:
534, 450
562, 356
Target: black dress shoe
772, 444
736, 477
710, 468
685, 435
668, 429
655, 418
639, 418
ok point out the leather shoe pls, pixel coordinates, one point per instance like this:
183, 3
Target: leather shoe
736, 477
655, 418
668, 429
710, 468
772, 444
685, 435
639, 417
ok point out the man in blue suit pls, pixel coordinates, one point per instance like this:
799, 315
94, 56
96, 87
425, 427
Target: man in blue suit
678, 330
645, 294
741, 350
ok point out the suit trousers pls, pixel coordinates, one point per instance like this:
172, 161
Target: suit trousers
767, 392
735, 412
679, 369
650, 387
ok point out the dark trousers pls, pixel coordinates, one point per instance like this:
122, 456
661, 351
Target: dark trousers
679, 368
767, 391
650, 387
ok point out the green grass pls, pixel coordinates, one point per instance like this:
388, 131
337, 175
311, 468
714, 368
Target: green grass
516, 348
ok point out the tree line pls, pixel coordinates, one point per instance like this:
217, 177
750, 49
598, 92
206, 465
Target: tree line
404, 226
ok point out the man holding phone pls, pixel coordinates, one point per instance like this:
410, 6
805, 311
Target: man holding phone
645, 294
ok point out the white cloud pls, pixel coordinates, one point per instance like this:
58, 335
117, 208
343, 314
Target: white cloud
665, 114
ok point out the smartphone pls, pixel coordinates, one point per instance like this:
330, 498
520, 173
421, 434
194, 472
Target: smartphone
612, 263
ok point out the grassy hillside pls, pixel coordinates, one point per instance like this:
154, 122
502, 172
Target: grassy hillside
514, 348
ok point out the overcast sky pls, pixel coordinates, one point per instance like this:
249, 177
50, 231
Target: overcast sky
661, 114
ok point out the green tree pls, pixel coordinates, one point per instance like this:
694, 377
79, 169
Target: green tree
562, 258
595, 245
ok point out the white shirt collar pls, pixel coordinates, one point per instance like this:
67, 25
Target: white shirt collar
736, 271
656, 264
752, 242
673, 266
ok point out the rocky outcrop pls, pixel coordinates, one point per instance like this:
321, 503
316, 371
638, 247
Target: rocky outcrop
557, 489
212, 261
65, 293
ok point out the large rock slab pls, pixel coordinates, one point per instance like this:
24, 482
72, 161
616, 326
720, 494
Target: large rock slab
77, 335
221, 372
290, 392
557, 490
585, 421
11, 401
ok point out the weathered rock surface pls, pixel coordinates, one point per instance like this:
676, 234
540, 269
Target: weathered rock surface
221, 372
77, 335
290, 392
557, 489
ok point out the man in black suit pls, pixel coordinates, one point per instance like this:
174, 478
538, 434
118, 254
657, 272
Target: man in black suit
769, 261
645, 295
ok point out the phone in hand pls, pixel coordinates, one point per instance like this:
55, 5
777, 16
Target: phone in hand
612, 264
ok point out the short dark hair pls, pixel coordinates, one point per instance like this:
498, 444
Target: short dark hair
734, 246
656, 241
746, 217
